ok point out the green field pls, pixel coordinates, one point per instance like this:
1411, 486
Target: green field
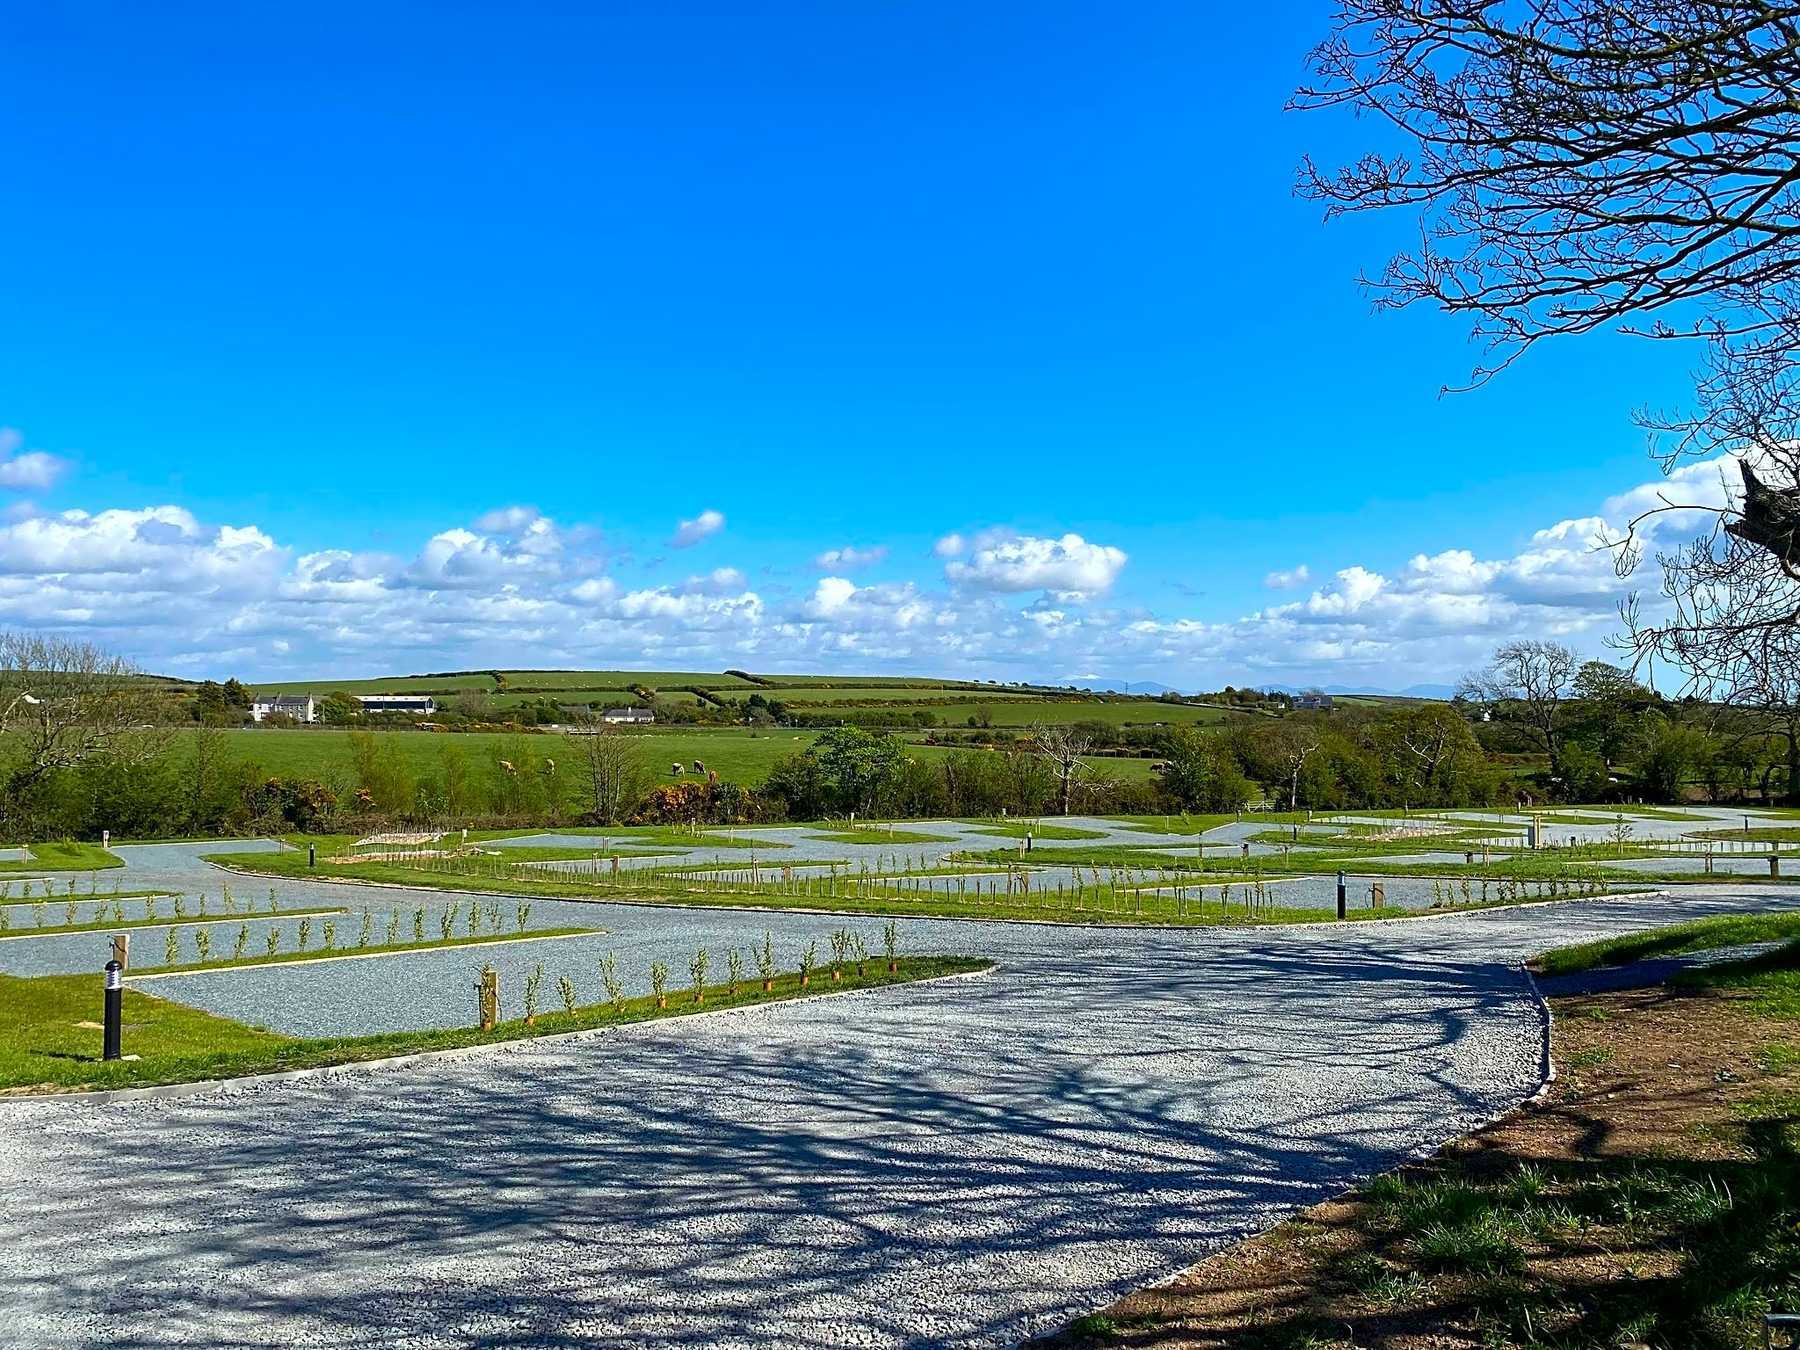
880, 693
949, 702
518, 681
737, 755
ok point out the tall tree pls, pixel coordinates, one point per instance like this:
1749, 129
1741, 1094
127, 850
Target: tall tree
611, 768
62, 703
1533, 676
1062, 748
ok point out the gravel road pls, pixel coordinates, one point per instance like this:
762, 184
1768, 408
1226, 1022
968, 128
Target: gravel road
961, 1163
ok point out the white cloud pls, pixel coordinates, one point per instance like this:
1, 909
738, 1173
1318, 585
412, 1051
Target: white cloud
849, 558
719, 581
517, 588
950, 546
506, 519
702, 526
33, 471
1286, 581
1069, 566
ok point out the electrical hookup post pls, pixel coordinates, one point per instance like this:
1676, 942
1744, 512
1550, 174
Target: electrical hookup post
1341, 894
115, 1008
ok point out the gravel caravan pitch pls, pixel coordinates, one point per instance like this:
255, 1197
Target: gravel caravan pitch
967, 1162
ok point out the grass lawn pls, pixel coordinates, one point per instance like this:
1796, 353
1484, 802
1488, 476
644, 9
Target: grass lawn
880, 835
50, 1038
738, 754
1225, 896
66, 855
1760, 834
1652, 1199
1037, 829
1726, 930
109, 925
312, 943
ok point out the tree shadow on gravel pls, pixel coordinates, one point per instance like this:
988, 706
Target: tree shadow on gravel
962, 1163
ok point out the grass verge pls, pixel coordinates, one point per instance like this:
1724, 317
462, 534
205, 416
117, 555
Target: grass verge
1726, 930
65, 855
1653, 1199
50, 1040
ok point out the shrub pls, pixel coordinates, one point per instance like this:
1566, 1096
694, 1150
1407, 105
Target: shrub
840, 946
697, 968
534, 984
734, 969
765, 962
566, 987
171, 947
890, 942
808, 959
243, 941
659, 983
609, 977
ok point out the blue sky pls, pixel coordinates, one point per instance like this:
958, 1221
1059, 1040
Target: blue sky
348, 284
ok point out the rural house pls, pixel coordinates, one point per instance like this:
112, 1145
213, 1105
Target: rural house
634, 716
300, 707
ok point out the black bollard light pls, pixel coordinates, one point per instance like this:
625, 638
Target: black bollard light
1340, 895
115, 1007
312, 855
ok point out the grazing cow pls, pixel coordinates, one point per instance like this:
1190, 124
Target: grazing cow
507, 764
675, 769
699, 767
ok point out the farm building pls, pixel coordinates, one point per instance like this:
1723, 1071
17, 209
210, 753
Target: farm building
300, 707
1313, 702
635, 716
422, 704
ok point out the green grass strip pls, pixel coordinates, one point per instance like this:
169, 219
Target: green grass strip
1700, 935
49, 1039
168, 921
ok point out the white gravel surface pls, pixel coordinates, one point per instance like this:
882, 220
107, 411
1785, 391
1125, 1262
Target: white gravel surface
966, 1162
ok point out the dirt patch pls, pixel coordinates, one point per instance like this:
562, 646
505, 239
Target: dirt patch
1651, 1198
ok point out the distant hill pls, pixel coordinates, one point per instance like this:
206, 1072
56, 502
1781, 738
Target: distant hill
1148, 688
1433, 691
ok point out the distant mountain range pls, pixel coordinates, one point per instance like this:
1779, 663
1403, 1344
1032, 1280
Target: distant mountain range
1150, 687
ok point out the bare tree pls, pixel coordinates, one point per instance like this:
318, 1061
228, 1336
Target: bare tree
1577, 164
63, 702
1533, 674
611, 766
1062, 747
1584, 164
1293, 742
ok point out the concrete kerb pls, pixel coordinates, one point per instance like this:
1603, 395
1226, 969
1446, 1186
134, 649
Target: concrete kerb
249, 1082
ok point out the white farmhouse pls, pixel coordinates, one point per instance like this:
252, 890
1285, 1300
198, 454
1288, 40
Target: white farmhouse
299, 707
